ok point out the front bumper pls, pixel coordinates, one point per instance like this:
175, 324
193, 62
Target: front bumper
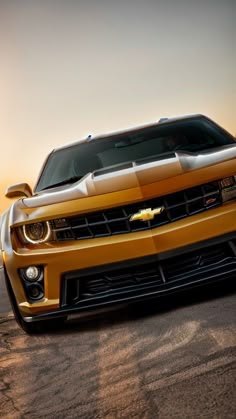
67, 263
144, 278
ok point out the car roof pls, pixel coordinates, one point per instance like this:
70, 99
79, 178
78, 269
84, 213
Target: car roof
162, 121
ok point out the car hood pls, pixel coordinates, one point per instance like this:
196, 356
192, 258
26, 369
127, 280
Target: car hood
133, 178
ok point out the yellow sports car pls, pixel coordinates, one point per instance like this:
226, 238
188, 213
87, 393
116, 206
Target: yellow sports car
122, 217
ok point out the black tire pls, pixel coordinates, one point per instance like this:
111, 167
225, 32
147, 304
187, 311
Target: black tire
42, 326
35, 326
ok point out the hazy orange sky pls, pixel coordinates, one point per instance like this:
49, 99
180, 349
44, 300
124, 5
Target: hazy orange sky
70, 68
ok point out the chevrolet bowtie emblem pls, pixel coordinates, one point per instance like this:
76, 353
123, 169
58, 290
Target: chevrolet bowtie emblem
146, 214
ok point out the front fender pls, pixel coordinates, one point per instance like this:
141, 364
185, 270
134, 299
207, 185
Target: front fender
1, 260
3, 232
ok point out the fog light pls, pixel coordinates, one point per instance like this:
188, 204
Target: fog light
32, 273
35, 291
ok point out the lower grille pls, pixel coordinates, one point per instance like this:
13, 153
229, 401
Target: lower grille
149, 277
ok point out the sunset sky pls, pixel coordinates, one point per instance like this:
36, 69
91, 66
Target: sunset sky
70, 68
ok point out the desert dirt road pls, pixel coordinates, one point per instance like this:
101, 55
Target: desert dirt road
174, 358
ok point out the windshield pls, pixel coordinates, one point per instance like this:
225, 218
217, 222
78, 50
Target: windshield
71, 163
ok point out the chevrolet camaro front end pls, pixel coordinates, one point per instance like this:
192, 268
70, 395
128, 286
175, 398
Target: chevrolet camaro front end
122, 217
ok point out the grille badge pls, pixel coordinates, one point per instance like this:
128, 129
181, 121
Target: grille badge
146, 214
210, 201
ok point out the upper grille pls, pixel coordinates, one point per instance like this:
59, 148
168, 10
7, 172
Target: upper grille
116, 220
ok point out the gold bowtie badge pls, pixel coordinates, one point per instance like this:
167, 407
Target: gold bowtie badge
146, 214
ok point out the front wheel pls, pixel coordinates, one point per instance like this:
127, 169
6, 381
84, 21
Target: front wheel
41, 326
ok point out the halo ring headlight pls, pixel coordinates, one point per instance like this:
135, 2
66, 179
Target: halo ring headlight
36, 233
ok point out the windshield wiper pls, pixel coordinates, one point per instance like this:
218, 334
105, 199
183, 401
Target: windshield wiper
72, 179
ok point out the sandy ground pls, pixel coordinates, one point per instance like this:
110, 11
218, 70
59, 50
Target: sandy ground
173, 358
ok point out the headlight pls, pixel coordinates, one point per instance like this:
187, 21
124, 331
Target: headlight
228, 188
37, 232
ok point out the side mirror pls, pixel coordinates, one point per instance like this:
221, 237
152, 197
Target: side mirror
18, 190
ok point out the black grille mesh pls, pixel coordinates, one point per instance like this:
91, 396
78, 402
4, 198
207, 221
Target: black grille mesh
150, 276
117, 220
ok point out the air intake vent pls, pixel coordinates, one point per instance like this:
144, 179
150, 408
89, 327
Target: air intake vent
148, 277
